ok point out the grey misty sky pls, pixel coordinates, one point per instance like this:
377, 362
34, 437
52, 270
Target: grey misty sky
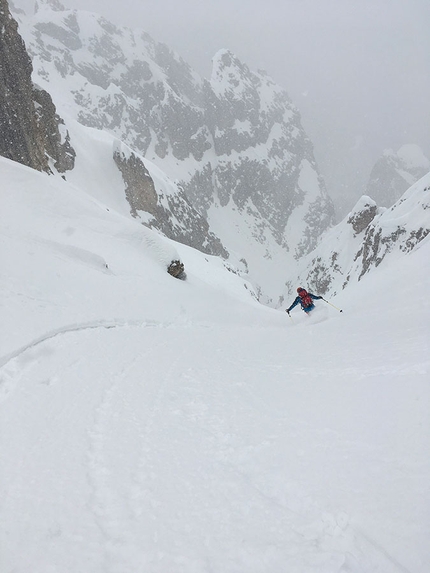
358, 70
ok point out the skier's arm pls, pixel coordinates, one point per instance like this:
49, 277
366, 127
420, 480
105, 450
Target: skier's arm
295, 303
315, 297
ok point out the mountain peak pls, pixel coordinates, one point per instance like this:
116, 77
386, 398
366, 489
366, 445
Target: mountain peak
230, 75
226, 58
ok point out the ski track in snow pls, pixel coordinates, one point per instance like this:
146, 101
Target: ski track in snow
389, 560
331, 525
6, 381
71, 328
110, 509
120, 511
129, 515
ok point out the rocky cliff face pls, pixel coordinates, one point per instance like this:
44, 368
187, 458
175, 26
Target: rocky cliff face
264, 158
170, 211
234, 144
31, 131
395, 172
365, 238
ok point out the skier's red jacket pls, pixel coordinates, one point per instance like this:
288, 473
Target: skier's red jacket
301, 298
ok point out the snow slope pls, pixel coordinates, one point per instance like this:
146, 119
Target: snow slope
154, 425
369, 236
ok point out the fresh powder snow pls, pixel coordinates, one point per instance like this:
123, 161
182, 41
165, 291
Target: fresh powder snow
155, 425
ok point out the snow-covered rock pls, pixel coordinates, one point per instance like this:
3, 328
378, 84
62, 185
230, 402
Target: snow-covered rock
150, 192
365, 238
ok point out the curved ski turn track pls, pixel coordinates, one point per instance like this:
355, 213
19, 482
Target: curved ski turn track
193, 449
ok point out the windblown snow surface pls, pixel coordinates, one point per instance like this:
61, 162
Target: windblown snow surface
152, 425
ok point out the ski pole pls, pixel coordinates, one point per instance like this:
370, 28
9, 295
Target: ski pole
290, 316
339, 309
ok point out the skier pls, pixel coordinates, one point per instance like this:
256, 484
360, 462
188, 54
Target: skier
305, 299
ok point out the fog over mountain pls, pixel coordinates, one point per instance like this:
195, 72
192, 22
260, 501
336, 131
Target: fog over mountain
395, 172
359, 72
159, 410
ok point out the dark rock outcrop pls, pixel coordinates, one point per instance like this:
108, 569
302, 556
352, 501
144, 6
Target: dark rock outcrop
177, 270
31, 131
54, 134
139, 186
171, 211
362, 215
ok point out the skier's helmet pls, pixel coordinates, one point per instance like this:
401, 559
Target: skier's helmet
299, 289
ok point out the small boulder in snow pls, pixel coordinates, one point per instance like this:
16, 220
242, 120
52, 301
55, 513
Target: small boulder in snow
176, 269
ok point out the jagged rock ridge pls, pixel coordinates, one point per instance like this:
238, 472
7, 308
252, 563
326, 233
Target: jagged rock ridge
31, 131
365, 238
